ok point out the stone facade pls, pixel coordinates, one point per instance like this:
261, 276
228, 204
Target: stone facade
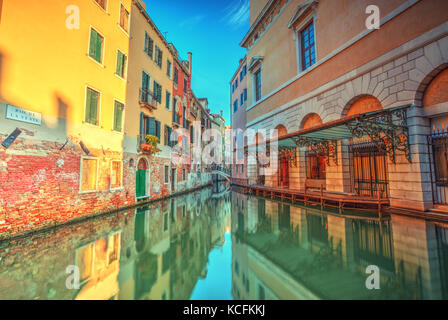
397, 77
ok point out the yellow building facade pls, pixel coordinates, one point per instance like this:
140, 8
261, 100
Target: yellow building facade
63, 75
149, 104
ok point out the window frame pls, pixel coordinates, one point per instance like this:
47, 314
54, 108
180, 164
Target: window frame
298, 37
80, 174
257, 69
148, 36
103, 47
119, 18
125, 65
167, 174
121, 173
169, 70
122, 117
106, 2
167, 100
98, 114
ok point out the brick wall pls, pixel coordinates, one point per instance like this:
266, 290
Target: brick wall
39, 184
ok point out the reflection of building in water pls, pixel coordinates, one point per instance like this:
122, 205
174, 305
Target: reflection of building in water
99, 264
281, 251
172, 241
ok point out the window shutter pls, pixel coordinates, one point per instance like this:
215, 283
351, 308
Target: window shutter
158, 130
98, 49
142, 132
92, 45
88, 105
151, 47
152, 126
146, 43
118, 116
120, 59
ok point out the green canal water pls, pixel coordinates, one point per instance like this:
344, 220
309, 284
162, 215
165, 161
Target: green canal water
230, 246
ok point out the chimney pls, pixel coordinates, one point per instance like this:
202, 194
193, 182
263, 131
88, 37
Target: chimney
190, 60
221, 114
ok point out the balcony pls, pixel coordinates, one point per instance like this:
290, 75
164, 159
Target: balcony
147, 100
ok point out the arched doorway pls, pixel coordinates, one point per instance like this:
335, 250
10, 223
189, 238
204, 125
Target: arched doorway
142, 179
435, 104
368, 164
283, 161
315, 161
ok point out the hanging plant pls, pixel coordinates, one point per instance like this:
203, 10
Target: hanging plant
151, 144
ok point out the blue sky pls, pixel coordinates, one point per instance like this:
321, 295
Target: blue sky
212, 31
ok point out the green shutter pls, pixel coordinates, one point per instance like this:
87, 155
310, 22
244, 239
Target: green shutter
92, 45
120, 65
118, 116
99, 45
158, 130
91, 106
152, 126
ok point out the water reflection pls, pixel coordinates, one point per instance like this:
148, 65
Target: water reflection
231, 245
283, 251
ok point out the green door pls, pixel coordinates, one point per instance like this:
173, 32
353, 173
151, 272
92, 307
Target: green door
141, 183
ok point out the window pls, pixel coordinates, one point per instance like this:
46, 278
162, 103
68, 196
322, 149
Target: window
191, 134
159, 56
168, 100
233, 88
118, 116
149, 125
440, 150
308, 48
315, 166
245, 94
124, 18
183, 174
92, 101
242, 168
185, 85
257, 78
121, 64
167, 174
167, 136
157, 92
168, 68
88, 174
116, 176
101, 3
149, 46
244, 71
235, 106
236, 83
241, 75
241, 99
176, 76
145, 92
96, 46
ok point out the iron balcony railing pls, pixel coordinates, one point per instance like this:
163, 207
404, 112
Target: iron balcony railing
147, 98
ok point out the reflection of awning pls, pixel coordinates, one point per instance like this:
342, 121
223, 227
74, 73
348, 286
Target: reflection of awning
387, 129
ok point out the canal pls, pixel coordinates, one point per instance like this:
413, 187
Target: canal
230, 246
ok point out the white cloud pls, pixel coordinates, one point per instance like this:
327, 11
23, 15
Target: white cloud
237, 14
192, 21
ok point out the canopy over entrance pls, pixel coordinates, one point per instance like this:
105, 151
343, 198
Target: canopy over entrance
386, 128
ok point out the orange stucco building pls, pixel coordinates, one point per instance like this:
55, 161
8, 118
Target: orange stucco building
317, 60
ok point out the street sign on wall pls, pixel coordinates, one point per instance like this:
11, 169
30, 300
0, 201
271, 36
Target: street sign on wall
19, 114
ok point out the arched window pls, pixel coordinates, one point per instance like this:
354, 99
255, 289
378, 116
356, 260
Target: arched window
363, 105
435, 103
